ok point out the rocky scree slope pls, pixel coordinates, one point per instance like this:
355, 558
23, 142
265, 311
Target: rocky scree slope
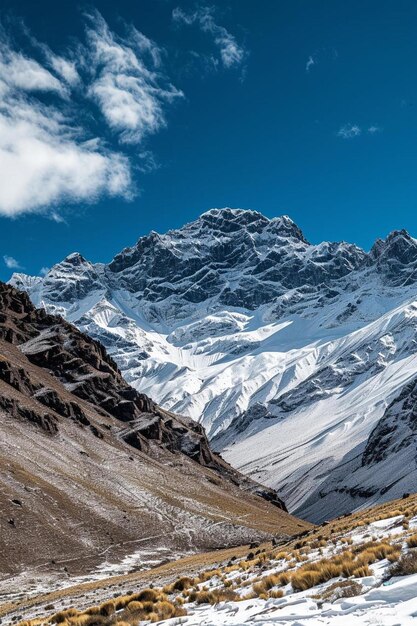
288, 353
91, 470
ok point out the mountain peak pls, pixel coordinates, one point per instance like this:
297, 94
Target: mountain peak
75, 258
397, 245
228, 220
286, 227
227, 211
237, 216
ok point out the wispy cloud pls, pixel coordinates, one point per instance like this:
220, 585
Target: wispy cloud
349, 131
310, 62
232, 54
11, 262
25, 74
322, 55
126, 85
64, 68
43, 271
48, 155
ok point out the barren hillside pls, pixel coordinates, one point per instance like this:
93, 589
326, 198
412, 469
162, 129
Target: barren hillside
92, 471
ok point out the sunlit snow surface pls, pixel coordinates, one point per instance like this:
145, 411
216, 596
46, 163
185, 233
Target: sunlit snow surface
393, 605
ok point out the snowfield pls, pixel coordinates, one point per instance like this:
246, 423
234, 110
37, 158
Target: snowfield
288, 353
392, 605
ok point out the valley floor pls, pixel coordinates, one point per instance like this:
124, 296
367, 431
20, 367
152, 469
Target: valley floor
357, 570
29, 594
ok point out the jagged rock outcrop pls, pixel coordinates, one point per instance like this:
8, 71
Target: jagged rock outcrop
45, 421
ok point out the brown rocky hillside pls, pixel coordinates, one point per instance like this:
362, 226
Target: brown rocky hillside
91, 470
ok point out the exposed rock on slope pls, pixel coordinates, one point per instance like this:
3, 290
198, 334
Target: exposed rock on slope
385, 464
396, 430
287, 352
90, 469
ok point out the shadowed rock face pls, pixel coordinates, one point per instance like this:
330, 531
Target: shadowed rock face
263, 257
396, 257
396, 430
79, 362
46, 421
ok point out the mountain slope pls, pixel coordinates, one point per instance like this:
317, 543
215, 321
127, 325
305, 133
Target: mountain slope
287, 353
91, 470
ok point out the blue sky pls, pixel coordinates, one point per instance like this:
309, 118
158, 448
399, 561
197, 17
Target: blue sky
120, 118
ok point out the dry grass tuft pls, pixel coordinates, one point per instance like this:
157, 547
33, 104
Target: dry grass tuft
135, 606
280, 555
362, 571
353, 562
62, 616
340, 589
283, 578
182, 583
266, 583
93, 610
406, 565
213, 597
412, 541
108, 608
146, 595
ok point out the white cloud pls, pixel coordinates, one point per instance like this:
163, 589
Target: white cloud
48, 157
64, 67
26, 74
11, 262
310, 62
44, 161
129, 91
43, 271
374, 130
349, 131
231, 53
147, 162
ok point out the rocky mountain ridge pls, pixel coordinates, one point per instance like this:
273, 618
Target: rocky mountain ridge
288, 353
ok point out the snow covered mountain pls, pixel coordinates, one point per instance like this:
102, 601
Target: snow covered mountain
298, 359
